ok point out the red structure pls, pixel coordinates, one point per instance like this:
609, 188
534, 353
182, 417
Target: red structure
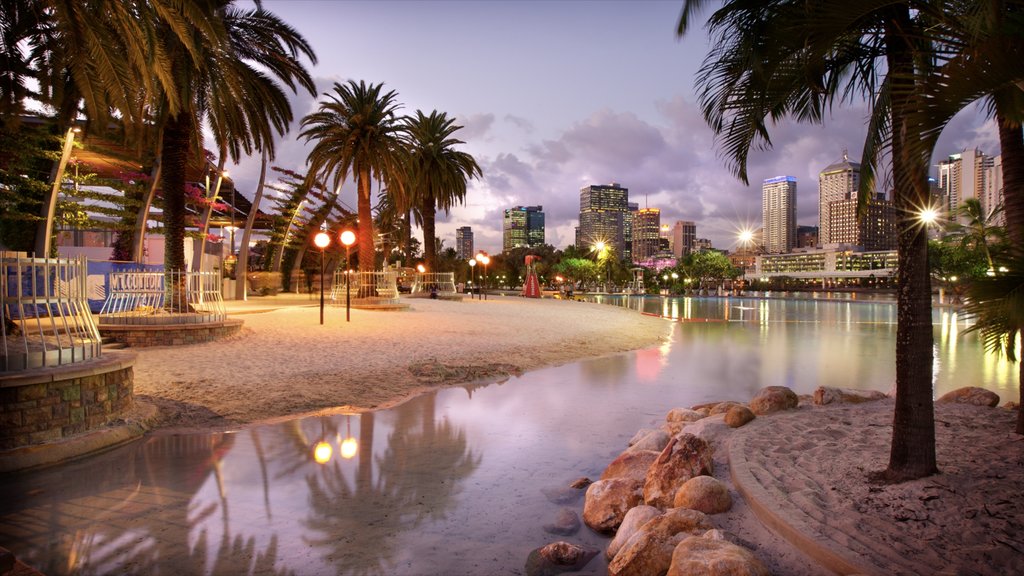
531, 287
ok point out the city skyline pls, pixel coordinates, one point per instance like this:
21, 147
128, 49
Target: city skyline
563, 111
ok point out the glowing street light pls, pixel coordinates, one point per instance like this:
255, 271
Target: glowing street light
928, 216
322, 241
348, 238
472, 281
421, 268
485, 260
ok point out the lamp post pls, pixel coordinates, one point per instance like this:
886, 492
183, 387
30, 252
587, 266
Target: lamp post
348, 238
485, 260
600, 246
472, 277
322, 241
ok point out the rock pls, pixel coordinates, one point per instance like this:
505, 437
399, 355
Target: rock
826, 395
650, 550
738, 416
581, 483
635, 518
607, 502
631, 464
710, 428
696, 556
705, 494
567, 523
640, 434
773, 399
558, 557
970, 395
804, 400
562, 495
685, 456
1011, 405
723, 407
683, 415
655, 440
716, 534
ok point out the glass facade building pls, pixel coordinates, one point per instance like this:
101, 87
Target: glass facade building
523, 227
604, 211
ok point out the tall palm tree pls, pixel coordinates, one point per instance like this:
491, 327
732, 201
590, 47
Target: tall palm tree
437, 172
356, 132
770, 60
979, 230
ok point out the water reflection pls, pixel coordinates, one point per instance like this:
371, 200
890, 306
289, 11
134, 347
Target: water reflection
452, 482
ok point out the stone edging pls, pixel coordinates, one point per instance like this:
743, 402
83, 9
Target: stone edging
786, 520
143, 335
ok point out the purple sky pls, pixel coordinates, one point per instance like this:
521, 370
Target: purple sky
556, 95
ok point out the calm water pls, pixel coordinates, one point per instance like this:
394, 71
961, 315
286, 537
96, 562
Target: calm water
459, 481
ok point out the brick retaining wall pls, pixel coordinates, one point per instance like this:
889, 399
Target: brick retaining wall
49, 404
170, 334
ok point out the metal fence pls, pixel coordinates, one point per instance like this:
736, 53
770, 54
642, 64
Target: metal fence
175, 297
45, 309
366, 287
427, 284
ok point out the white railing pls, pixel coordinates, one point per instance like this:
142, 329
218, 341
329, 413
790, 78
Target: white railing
45, 309
427, 284
146, 297
365, 287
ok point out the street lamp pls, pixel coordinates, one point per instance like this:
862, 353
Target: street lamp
472, 276
348, 238
322, 241
600, 248
485, 260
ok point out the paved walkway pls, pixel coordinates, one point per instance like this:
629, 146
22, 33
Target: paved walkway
256, 304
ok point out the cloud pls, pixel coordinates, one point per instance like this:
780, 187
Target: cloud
519, 122
474, 126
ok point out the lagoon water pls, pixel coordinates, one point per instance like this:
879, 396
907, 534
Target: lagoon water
457, 481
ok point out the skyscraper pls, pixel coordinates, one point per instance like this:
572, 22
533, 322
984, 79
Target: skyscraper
684, 238
646, 233
464, 242
876, 230
523, 226
778, 210
603, 217
836, 182
970, 174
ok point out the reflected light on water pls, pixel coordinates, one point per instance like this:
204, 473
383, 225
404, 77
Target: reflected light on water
322, 452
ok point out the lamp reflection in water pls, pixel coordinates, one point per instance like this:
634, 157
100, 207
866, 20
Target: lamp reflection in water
348, 446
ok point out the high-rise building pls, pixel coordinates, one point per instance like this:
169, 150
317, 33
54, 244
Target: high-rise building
604, 211
971, 174
646, 233
684, 238
837, 182
523, 227
464, 242
778, 210
876, 230
806, 236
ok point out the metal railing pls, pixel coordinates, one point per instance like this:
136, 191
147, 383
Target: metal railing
366, 287
426, 284
45, 309
175, 297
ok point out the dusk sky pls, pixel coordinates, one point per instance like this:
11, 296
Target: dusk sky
556, 95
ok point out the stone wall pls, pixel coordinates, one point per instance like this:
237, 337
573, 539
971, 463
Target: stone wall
170, 334
51, 404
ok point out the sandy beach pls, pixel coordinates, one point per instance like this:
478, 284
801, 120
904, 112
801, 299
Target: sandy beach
812, 463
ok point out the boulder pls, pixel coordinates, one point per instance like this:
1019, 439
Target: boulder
723, 407
650, 550
562, 495
696, 556
705, 494
738, 416
607, 502
826, 395
970, 395
557, 558
581, 483
567, 523
710, 428
772, 399
640, 434
683, 415
654, 440
635, 518
685, 456
631, 464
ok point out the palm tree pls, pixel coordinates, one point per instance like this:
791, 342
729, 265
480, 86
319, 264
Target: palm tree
980, 231
437, 172
794, 58
356, 132
232, 85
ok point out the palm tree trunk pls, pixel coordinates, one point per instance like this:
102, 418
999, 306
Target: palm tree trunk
250, 221
407, 237
366, 252
174, 159
139, 235
912, 453
428, 211
1011, 143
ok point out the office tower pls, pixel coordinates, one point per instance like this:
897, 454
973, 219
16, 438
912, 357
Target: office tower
604, 211
464, 242
966, 175
837, 182
523, 227
684, 238
875, 231
646, 233
778, 210
992, 196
